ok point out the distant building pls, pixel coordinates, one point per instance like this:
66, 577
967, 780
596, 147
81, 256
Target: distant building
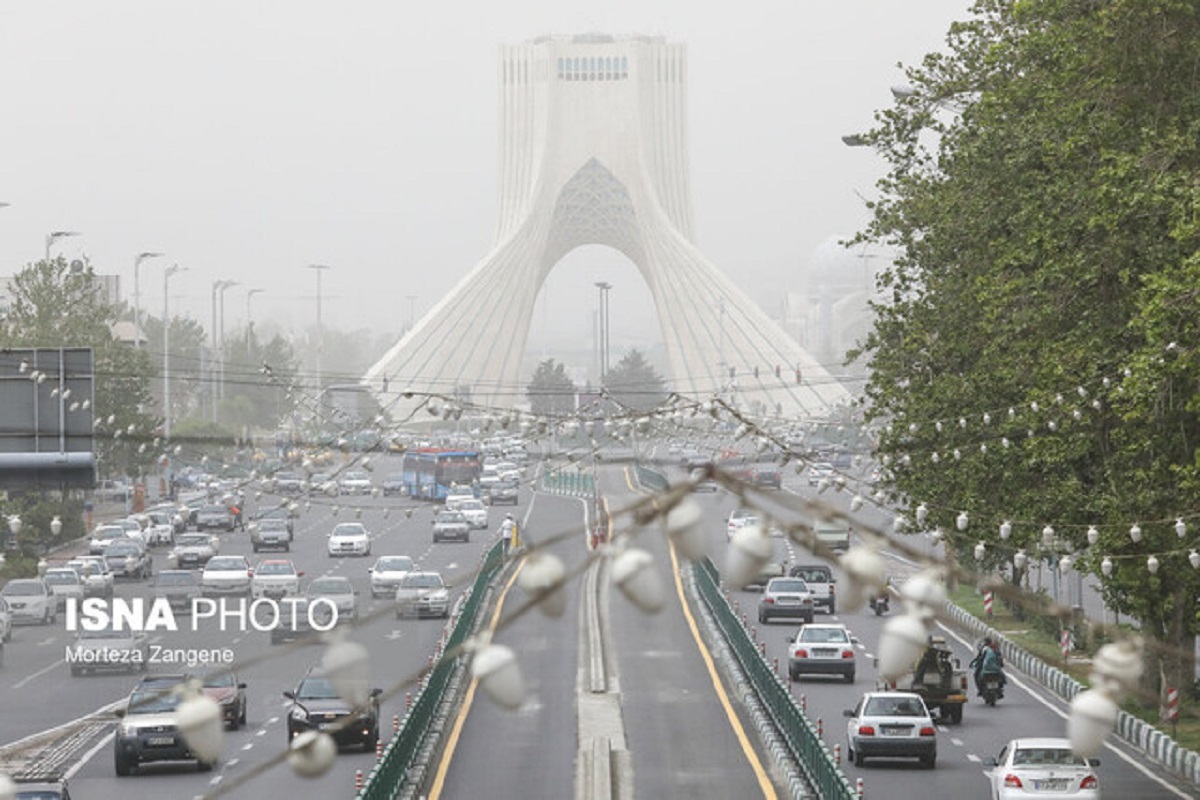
830, 315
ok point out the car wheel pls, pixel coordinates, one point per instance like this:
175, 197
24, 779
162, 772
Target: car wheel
849, 676
762, 617
242, 716
205, 766
122, 764
372, 738
793, 676
857, 758
954, 715
929, 762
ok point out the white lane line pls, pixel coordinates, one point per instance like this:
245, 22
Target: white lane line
260, 733
956, 741
248, 746
215, 781
233, 762
974, 758
100, 745
21, 683
1116, 751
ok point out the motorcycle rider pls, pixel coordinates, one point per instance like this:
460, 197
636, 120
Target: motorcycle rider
988, 661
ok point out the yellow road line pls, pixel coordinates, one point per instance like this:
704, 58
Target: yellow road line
764, 783
452, 743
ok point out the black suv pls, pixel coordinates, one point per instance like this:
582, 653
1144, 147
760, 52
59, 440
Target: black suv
147, 731
317, 706
506, 492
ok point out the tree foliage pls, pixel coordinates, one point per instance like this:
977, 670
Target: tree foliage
551, 391
1036, 356
259, 378
54, 306
634, 383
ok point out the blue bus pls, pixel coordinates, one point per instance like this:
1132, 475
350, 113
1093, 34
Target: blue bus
429, 473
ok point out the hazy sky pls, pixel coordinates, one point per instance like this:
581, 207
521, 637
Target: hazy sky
247, 139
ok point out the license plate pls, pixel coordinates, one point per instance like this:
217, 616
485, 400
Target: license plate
1052, 784
160, 741
894, 731
823, 652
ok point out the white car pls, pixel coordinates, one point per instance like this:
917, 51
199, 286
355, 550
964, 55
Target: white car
161, 528
64, 582
457, 495
30, 600
891, 725
355, 482
508, 471
1043, 767
387, 572
422, 594
274, 578
98, 579
739, 518
349, 539
338, 590
476, 513
226, 575
103, 536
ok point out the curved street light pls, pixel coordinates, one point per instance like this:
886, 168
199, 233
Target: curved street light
137, 297
171, 270
54, 236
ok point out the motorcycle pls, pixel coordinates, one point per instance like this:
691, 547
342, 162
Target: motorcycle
992, 687
879, 604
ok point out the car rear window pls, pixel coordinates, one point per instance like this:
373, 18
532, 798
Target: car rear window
788, 586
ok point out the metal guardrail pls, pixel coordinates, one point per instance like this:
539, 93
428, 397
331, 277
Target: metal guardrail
813, 757
388, 778
568, 481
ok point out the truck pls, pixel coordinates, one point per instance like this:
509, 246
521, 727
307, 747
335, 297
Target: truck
939, 678
820, 580
834, 534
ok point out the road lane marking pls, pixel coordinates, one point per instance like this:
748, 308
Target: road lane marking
78, 765
21, 683
439, 779
764, 783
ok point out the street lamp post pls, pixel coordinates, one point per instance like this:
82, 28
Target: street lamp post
221, 331
54, 236
137, 297
217, 286
604, 287
250, 293
171, 270
319, 268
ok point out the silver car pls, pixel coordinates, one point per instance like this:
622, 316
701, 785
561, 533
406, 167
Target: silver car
30, 600
64, 582
339, 591
785, 597
422, 594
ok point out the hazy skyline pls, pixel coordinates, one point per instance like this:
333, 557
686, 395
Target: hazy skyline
248, 139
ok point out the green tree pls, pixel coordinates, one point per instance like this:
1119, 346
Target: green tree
1041, 195
259, 378
551, 391
55, 306
634, 383
188, 366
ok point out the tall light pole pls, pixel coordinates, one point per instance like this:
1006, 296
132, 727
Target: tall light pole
54, 236
217, 286
137, 297
167, 273
319, 268
249, 324
604, 287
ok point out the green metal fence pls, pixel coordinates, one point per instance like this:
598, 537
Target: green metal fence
810, 752
388, 778
568, 481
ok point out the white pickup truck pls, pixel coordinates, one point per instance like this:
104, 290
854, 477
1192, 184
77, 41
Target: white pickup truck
821, 582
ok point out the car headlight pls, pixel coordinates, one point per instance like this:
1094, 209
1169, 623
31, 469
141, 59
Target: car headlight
127, 731
299, 714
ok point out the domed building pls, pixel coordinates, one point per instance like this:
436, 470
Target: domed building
829, 315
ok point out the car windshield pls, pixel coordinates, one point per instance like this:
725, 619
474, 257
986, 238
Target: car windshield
423, 581
788, 585
61, 577
330, 586
349, 529
273, 525
355, 476
472, 505
194, 540
394, 565
275, 568
122, 549
109, 533
1046, 757
175, 578
450, 516
23, 588
223, 564
316, 689
153, 702
817, 635
894, 707
38, 794
219, 680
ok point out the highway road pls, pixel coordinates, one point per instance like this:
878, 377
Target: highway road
661, 709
